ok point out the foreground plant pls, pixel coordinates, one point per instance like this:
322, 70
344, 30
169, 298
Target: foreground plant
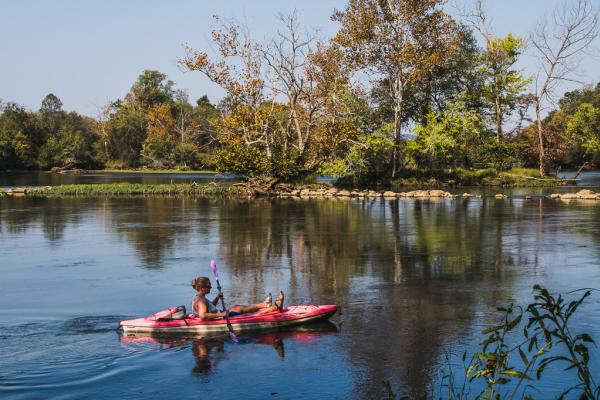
517, 351
546, 340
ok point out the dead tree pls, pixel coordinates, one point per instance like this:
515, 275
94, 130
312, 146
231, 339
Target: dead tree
574, 28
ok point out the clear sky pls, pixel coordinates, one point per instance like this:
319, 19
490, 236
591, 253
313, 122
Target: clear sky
88, 52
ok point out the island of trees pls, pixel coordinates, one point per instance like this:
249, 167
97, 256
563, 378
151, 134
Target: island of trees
403, 89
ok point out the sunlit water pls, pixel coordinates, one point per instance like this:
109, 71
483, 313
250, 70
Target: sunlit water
416, 281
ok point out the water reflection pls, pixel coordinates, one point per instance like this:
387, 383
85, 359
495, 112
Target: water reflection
209, 351
412, 277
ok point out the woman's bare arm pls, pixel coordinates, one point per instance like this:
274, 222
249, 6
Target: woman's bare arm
204, 314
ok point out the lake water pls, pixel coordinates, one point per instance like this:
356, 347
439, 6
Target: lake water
416, 282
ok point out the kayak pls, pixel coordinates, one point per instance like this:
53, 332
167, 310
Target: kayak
189, 324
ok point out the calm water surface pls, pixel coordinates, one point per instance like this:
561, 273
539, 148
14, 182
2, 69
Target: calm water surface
416, 281
42, 178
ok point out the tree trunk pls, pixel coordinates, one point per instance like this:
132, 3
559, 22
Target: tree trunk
542, 154
498, 120
398, 103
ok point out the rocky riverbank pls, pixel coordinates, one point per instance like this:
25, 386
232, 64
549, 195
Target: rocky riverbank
253, 190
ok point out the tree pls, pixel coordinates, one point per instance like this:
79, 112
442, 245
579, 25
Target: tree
291, 67
584, 128
126, 134
238, 70
205, 113
150, 90
73, 145
447, 139
161, 137
51, 104
503, 84
401, 41
575, 28
19, 138
458, 79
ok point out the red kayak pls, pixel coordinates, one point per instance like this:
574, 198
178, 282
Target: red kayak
290, 316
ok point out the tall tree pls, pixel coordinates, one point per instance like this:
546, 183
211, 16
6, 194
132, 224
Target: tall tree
151, 88
400, 40
575, 28
51, 104
504, 85
238, 70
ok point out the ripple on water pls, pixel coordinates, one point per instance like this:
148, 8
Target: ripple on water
59, 354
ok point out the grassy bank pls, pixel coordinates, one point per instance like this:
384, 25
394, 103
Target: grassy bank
129, 189
516, 177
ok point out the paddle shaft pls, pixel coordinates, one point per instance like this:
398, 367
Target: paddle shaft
224, 309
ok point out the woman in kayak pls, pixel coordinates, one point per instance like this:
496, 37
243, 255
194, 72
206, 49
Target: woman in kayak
206, 309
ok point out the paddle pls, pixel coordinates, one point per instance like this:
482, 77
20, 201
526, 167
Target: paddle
213, 267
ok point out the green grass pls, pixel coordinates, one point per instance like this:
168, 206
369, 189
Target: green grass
129, 189
521, 177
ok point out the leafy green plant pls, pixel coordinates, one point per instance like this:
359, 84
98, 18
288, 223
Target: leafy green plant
520, 348
546, 340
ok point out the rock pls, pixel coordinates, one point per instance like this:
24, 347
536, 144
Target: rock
373, 193
343, 193
467, 195
587, 195
421, 193
592, 196
527, 197
331, 191
554, 196
389, 194
569, 196
437, 193
18, 190
354, 193
501, 196
585, 192
295, 192
260, 192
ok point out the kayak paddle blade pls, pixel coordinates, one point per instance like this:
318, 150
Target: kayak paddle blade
233, 337
213, 267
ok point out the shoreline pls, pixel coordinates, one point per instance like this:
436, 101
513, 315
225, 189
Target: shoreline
249, 191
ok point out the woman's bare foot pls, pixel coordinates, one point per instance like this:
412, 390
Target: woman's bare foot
268, 301
279, 301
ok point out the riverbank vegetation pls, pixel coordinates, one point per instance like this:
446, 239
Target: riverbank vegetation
130, 189
403, 93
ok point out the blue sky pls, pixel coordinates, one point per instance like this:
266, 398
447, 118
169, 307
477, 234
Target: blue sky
89, 52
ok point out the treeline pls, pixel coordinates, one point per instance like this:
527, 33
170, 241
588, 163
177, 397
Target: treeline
403, 87
154, 125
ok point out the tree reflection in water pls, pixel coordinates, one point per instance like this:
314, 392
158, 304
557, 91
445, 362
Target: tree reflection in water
411, 275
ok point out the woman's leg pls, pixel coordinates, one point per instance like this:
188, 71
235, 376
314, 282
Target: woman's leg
252, 308
259, 308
